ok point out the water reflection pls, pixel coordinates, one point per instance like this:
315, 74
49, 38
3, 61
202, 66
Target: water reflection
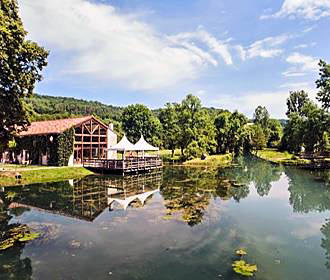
189, 192
83, 199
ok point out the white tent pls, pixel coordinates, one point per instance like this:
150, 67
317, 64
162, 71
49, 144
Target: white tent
143, 145
123, 145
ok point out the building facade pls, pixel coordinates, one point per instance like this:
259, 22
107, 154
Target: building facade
66, 142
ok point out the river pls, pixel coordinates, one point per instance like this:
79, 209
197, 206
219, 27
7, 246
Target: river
181, 223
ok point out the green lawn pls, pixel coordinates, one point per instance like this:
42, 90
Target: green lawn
49, 174
276, 156
211, 161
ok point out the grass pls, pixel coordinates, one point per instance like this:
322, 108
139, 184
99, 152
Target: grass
49, 174
211, 161
166, 155
285, 158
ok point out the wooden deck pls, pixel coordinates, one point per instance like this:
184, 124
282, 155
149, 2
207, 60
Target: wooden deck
128, 165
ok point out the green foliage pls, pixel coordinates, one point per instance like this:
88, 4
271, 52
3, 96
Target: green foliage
261, 117
51, 107
241, 252
21, 65
138, 119
16, 234
243, 268
296, 102
170, 124
258, 138
275, 133
59, 148
323, 83
65, 146
231, 132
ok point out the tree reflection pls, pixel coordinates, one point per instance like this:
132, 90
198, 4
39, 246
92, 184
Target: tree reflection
249, 170
325, 242
12, 266
308, 191
192, 192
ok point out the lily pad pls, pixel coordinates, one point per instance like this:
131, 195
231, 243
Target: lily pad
29, 236
243, 268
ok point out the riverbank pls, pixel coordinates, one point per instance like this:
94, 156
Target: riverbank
32, 175
211, 161
285, 158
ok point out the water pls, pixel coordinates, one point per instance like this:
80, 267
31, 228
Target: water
181, 224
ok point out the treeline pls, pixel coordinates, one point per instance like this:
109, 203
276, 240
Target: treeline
197, 130
50, 107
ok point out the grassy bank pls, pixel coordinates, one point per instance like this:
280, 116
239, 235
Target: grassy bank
211, 161
49, 174
286, 158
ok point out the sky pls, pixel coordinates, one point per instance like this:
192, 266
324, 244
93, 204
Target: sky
234, 55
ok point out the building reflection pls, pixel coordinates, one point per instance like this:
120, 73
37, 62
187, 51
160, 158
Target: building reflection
84, 199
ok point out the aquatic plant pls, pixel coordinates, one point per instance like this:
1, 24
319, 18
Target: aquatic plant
243, 268
18, 234
241, 252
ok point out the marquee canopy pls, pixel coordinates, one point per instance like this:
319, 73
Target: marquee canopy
143, 145
123, 145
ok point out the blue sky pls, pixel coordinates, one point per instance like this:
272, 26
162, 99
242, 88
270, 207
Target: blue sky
232, 54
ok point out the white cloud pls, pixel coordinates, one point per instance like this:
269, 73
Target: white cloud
102, 43
295, 86
308, 9
274, 101
304, 46
216, 46
267, 48
302, 64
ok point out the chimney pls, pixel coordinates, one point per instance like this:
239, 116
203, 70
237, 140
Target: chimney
111, 126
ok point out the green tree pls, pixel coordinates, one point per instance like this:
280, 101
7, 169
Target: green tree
231, 132
292, 139
261, 117
195, 125
258, 138
21, 63
323, 83
296, 102
275, 132
138, 119
170, 122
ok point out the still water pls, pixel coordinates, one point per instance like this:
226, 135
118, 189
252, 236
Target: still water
181, 223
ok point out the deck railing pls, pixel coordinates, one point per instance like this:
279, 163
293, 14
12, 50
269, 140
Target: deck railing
127, 165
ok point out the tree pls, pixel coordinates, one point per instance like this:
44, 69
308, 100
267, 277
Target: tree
169, 120
292, 139
195, 126
231, 132
138, 120
261, 117
275, 132
296, 102
258, 138
323, 83
21, 63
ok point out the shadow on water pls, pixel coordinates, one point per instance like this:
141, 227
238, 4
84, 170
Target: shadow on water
183, 223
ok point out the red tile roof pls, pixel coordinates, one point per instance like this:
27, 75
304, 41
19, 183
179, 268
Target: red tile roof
52, 127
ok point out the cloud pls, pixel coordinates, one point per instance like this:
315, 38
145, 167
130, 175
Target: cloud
304, 46
302, 64
267, 48
308, 9
99, 42
295, 86
221, 49
274, 101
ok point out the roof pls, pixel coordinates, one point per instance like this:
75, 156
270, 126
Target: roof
143, 145
54, 126
123, 145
